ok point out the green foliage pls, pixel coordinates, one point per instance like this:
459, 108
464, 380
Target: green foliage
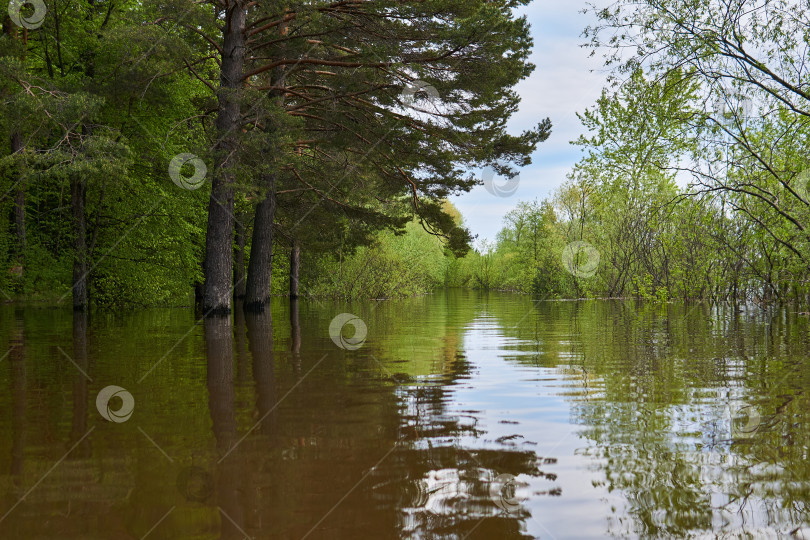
98, 101
102, 96
744, 134
81, 94
394, 265
653, 239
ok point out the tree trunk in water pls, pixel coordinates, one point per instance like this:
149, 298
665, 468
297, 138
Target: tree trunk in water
295, 327
219, 234
19, 202
240, 344
260, 267
218, 334
260, 340
81, 393
295, 336
239, 288
295, 268
78, 192
19, 400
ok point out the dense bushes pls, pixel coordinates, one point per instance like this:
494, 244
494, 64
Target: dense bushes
394, 265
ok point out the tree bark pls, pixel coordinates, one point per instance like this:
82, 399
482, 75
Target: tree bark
10, 30
239, 286
219, 234
295, 268
78, 194
19, 202
260, 267
199, 292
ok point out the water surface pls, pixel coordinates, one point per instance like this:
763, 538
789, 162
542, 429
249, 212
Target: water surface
461, 415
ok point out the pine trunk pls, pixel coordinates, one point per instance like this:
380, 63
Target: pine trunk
239, 277
19, 203
260, 267
219, 234
78, 193
295, 268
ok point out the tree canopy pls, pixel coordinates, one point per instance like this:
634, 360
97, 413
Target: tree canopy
318, 124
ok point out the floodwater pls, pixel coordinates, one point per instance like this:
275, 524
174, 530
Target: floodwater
461, 415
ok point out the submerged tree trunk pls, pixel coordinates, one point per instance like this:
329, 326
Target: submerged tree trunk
218, 334
260, 340
240, 343
19, 400
295, 336
78, 194
260, 267
219, 234
81, 393
295, 328
295, 268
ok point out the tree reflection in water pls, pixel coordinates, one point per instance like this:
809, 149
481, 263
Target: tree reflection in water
685, 421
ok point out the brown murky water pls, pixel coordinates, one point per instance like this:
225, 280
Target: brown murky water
461, 415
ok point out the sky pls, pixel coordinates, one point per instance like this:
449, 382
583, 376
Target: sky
565, 81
